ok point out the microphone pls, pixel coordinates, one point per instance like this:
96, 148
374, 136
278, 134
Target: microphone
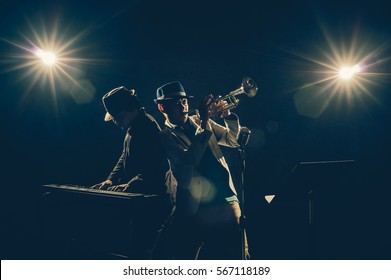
244, 136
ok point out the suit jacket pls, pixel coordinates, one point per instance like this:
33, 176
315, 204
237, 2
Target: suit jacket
143, 162
185, 156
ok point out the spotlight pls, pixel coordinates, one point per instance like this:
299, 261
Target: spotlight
48, 58
347, 73
343, 71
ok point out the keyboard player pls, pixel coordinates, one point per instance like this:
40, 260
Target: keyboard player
141, 168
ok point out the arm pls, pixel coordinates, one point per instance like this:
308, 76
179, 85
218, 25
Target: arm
115, 175
118, 172
118, 169
227, 135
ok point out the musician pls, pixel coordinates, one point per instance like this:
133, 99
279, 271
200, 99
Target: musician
207, 212
142, 166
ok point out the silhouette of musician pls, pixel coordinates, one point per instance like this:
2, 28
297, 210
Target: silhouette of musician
141, 168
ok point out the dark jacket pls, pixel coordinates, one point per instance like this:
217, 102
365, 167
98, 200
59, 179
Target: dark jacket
143, 161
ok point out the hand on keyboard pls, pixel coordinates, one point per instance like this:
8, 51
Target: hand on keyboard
118, 188
103, 186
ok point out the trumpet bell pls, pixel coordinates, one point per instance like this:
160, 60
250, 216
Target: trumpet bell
249, 87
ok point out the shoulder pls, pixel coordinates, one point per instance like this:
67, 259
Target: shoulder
146, 122
150, 118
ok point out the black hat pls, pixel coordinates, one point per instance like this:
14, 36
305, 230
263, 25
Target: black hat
118, 100
172, 90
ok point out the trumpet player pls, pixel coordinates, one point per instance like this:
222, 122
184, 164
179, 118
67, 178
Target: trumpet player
206, 219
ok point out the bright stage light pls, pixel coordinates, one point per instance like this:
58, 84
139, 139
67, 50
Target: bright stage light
342, 72
348, 72
48, 58
354, 76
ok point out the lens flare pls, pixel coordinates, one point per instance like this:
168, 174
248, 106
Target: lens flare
348, 72
49, 58
345, 70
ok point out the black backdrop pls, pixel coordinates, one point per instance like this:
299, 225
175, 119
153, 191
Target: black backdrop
209, 46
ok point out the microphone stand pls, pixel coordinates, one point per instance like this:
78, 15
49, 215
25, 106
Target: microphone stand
243, 221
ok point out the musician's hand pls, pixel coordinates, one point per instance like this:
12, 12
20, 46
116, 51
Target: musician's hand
216, 107
118, 188
102, 186
203, 109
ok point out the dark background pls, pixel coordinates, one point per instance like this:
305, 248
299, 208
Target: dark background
52, 137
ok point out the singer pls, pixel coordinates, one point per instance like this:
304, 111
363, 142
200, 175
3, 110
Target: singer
206, 220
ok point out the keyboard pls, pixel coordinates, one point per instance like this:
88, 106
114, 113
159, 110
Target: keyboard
69, 188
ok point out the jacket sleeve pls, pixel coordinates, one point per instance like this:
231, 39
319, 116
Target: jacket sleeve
227, 135
118, 172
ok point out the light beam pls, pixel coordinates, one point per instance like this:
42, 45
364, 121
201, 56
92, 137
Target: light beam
48, 58
344, 70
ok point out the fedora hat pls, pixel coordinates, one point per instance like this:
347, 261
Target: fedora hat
172, 90
119, 100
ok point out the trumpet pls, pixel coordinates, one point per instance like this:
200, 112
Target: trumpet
248, 87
